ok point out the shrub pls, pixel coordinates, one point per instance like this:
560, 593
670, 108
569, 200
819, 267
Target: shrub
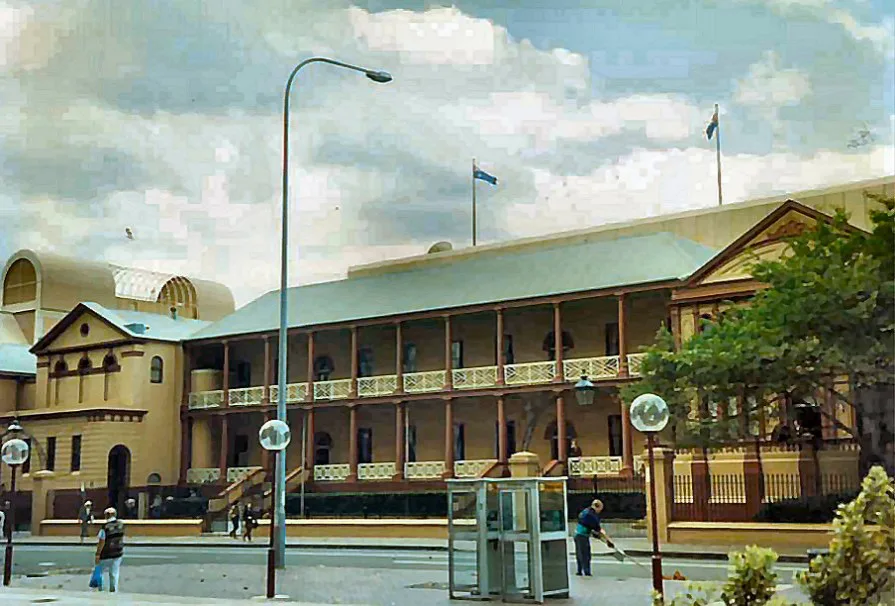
857, 571
814, 510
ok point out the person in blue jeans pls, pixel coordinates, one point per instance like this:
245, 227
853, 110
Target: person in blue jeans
110, 548
588, 525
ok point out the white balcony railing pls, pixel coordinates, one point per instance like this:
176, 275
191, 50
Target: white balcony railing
529, 373
295, 392
424, 470
586, 467
375, 471
338, 389
332, 473
473, 468
202, 475
471, 378
634, 363
604, 367
382, 385
421, 382
206, 399
246, 396
235, 474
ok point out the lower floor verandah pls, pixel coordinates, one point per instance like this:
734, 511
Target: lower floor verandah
411, 442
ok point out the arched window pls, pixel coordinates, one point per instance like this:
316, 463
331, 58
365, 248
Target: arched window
110, 365
59, 371
20, 283
156, 370
84, 367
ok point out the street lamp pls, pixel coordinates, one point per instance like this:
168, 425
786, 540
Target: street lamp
273, 435
14, 452
280, 475
585, 392
649, 414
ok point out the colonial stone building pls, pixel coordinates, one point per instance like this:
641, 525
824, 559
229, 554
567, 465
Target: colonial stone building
402, 374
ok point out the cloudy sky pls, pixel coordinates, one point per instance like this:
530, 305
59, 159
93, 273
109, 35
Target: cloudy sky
165, 117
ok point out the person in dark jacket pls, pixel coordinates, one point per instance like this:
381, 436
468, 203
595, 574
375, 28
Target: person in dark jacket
85, 517
110, 548
588, 525
248, 522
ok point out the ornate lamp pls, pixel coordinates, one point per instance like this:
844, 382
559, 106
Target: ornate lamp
585, 392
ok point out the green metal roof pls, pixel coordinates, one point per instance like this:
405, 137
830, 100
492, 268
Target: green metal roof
158, 327
15, 359
489, 278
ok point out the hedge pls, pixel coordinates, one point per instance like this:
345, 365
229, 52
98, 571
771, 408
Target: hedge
807, 510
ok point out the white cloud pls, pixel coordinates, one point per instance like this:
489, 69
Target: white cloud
769, 85
376, 171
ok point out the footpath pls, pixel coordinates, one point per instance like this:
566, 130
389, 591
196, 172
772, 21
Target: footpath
633, 546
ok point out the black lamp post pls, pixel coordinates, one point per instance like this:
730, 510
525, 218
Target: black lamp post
14, 452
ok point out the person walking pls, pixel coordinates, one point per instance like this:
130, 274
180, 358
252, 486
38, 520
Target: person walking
588, 525
85, 517
234, 521
249, 522
110, 548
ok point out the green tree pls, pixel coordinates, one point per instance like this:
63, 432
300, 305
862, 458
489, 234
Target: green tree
828, 312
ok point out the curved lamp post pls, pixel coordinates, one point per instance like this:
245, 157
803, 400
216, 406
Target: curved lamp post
14, 452
649, 414
280, 474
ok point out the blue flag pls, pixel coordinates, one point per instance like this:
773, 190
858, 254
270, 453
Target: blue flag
713, 126
482, 175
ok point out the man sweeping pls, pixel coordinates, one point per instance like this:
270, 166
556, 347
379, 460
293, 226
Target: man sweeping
588, 525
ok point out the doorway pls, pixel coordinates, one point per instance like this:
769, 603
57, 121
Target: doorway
118, 479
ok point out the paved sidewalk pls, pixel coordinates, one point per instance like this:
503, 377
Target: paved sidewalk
21, 595
194, 583
640, 547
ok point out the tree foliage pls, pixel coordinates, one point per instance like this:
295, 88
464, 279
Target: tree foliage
828, 311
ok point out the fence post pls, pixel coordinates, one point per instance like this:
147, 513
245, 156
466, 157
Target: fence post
664, 462
702, 491
752, 480
808, 476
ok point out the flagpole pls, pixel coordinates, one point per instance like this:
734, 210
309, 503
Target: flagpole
473, 201
718, 150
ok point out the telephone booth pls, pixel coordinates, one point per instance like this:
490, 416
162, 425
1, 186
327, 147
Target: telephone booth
507, 539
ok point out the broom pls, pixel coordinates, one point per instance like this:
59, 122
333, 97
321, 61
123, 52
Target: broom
619, 554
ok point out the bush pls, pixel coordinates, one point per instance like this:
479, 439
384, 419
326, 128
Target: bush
806, 510
188, 507
858, 569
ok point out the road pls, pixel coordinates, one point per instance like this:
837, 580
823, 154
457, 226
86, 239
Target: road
39, 560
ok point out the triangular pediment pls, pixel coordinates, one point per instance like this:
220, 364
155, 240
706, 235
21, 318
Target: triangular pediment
767, 240
81, 327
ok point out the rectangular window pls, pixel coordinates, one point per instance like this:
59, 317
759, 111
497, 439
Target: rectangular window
365, 445
456, 354
26, 466
411, 443
243, 375
615, 435
459, 442
76, 453
612, 339
365, 362
409, 358
509, 356
239, 455
511, 439
51, 453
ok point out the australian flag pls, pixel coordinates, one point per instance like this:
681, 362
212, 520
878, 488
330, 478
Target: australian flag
713, 126
483, 176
